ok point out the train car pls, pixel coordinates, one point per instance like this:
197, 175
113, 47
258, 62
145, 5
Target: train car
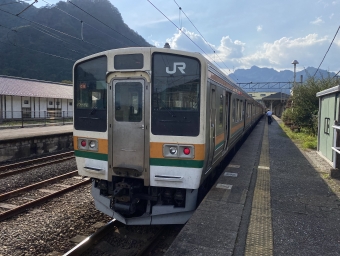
150, 126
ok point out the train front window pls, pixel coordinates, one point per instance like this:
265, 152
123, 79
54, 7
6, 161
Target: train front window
175, 95
90, 95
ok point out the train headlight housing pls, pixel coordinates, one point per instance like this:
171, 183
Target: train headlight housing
178, 151
87, 144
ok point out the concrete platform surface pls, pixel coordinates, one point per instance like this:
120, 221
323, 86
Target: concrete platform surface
282, 202
21, 133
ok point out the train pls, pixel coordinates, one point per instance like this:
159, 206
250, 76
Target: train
150, 126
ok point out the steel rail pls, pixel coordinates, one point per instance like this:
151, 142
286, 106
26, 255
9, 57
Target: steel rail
90, 240
21, 208
32, 161
13, 193
6, 174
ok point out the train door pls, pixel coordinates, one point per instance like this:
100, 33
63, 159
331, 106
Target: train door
227, 119
128, 125
244, 112
212, 123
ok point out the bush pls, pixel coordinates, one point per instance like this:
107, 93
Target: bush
305, 104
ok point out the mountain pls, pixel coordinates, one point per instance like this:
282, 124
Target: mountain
256, 74
58, 31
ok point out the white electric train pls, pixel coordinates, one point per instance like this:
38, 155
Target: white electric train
150, 126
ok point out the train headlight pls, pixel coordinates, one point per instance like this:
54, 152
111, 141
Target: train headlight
92, 144
173, 150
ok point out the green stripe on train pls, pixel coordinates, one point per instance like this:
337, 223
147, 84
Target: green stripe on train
92, 155
177, 162
219, 145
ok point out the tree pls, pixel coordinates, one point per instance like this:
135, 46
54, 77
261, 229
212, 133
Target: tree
305, 104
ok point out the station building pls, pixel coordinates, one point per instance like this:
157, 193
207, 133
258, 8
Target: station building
27, 98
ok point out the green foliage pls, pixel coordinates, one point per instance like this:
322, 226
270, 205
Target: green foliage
305, 104
303, 138
287, 115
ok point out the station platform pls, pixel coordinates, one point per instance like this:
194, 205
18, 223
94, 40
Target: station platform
272, 199
29, 132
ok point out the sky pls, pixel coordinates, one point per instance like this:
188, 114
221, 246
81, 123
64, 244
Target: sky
242, 33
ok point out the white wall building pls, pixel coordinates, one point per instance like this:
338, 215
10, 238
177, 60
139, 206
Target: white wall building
27, 98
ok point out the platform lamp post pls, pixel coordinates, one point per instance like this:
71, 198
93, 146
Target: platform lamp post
294, 63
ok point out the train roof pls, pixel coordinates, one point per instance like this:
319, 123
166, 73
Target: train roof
211, 67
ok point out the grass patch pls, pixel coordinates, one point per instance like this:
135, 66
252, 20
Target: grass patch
304, 139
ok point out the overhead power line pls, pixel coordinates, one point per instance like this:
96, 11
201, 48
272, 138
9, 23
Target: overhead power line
181, 10
27, 7
103, 23
29, 49
82, 24
178, 28
327, 51
55, 30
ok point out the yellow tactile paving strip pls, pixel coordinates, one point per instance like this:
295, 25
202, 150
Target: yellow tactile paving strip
260, 233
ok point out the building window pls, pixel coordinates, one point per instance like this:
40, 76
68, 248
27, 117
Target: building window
25, 101
58, 103
70, 103
326, 127
50, 103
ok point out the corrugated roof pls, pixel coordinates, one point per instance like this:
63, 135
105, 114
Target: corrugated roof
277, 96
17, 86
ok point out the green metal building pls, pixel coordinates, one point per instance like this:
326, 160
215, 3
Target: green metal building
328, 117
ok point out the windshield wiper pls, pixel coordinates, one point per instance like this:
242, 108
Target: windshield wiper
93, 110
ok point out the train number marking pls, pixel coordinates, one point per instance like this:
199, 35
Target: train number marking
180, 65
224, 186
231, 174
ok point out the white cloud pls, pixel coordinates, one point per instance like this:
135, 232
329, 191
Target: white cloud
228, 49
259, 28
331, 16
317, 21
280, 53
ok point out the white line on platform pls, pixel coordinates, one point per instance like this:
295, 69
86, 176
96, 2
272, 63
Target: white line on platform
231, 174
234, 166
263, 167
224, 186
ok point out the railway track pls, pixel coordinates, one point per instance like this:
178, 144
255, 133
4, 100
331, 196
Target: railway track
7, 170
143, 237
15, 209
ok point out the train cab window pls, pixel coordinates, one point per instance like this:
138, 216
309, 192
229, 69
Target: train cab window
90, 95
175, 98
128, 101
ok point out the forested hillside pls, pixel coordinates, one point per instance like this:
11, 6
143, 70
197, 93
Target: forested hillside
62, 30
